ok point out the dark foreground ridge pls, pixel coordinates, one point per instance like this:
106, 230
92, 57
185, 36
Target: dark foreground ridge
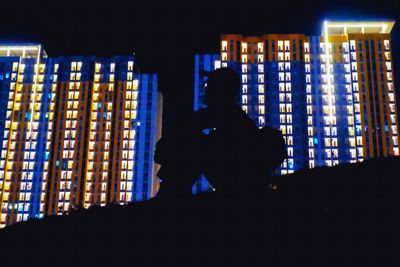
342, 216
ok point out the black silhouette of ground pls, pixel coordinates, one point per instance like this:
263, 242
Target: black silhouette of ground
342, 216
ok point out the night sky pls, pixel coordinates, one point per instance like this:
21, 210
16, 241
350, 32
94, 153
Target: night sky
166, 37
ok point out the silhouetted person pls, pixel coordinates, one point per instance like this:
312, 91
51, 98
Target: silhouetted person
237, 156
221, 142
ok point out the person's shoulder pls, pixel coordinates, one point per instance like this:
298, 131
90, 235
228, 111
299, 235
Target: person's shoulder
245, 118
240, 121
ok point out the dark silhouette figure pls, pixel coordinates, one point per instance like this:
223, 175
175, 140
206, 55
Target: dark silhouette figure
221, 142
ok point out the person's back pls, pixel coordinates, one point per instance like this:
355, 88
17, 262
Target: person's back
225, 157
231, 156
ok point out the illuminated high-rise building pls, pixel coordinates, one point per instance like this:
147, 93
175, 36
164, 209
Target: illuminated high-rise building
75, 131
332, 95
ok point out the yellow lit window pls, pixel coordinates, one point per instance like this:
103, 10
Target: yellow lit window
97, 67
21, 68
42, 67
135, 84
15, 66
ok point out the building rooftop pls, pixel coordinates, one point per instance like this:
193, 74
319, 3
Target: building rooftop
24, 50
355, 26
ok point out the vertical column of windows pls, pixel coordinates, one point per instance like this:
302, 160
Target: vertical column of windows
392, 98
52, 106
8, 151
224, 54
32, 117
310, 124
328, 96
107, 118
91, 171
285, 102
70, 135
129, 136
260, 84
244, 78
353, 102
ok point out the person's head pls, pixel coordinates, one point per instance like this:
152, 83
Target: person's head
223, 87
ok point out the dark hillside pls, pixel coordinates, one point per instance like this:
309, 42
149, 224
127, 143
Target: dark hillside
342, 216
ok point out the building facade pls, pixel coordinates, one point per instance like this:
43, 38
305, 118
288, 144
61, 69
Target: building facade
75, 131
332, 96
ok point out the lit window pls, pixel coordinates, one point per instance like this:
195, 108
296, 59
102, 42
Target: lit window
224, 45
130, 65
280, 45
244, 47
15, 66
287, 45
224, 56
386, 44
97, 67
260, 47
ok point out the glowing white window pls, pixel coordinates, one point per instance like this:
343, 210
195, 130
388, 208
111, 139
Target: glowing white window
244, 47
386, 44
260, 47
224, 56
280, 45
224, 45
130, 65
